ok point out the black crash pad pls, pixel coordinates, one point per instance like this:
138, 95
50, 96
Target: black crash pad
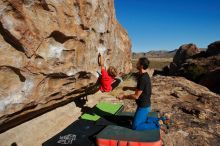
79, 133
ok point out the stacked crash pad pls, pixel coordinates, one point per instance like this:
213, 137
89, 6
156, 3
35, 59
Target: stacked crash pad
113, 135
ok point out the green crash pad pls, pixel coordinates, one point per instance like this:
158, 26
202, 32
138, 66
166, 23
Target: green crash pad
102, 109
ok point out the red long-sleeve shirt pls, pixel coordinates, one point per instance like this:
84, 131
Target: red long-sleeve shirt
106, 81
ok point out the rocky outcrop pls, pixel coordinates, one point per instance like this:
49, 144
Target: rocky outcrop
48, 53
199, 66
193, 108
185, 52
213, 48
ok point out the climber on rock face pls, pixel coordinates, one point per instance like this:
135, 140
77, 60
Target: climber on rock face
107, 78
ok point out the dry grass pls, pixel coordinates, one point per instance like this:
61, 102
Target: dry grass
158, 64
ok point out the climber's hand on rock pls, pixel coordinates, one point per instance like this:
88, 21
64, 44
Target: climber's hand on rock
100, 60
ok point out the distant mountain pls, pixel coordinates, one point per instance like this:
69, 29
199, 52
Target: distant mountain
155, 54
158, 54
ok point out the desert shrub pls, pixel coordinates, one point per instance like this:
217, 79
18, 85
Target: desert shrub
194, 72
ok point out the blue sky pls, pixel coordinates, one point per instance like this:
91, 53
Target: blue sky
167, 24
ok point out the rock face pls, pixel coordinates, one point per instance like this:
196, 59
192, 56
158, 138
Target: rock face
48, 53
199, 66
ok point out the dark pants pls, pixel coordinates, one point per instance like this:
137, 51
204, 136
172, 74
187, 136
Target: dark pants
116, 82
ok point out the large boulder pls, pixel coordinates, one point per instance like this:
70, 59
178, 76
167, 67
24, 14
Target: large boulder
185, 52
48, 53
201, 67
